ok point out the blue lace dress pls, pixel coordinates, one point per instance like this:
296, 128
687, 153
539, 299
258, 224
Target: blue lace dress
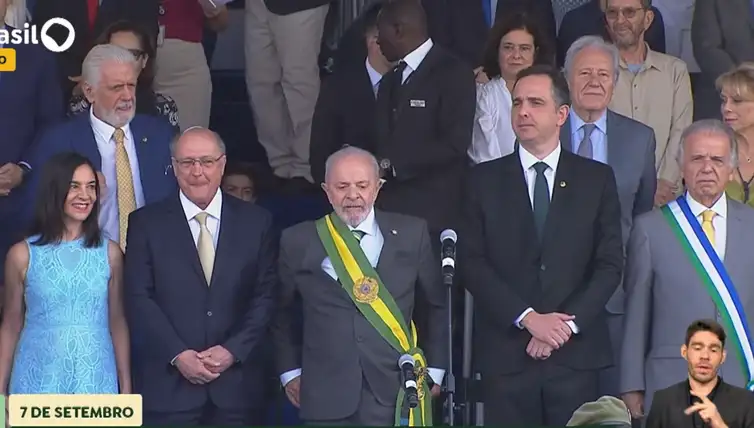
65, 345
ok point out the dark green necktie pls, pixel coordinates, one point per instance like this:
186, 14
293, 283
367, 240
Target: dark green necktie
358, 234
541, 198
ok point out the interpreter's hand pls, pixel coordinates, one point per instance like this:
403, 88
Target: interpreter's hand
435, 391
707, 411
193, 369
216, 359
11, 176
292, 391
480, 76
665, 192
635, 402
549, 328
538, 350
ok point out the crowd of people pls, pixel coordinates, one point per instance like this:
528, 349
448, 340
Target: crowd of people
603, 212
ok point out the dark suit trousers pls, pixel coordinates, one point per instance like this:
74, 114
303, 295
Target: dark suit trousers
370, 412
543, 394
209, 415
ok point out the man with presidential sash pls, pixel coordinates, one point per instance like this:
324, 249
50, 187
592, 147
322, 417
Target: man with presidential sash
359, 273
688, 260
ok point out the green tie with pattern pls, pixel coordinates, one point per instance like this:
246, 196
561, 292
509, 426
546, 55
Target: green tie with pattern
358, 234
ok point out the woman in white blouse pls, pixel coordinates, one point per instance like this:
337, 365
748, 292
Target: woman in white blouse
516, 42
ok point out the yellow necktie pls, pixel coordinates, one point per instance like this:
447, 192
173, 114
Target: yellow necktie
205, 246
125, 182
707, 226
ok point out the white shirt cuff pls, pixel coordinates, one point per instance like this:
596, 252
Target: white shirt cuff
437, 375
288, 376
574, 328
520, 318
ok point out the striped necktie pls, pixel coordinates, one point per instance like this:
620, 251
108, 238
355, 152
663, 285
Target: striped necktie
358, 234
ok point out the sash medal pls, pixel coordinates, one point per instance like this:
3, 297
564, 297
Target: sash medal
365, 288
716, 280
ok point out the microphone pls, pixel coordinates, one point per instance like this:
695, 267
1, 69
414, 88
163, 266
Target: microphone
448, 238
406, 364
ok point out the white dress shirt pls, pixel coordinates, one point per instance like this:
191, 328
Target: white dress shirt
108, 216
214, 211
414, 58
493, 135
371, 243
719, 221
374, 76
530, 174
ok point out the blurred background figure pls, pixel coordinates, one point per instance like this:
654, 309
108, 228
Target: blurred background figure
240, 181
64, 330
607, 411
136, 40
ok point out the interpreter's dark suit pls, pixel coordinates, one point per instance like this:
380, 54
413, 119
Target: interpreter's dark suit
340, 351
426, 140
736, 406
171, 308
574, 271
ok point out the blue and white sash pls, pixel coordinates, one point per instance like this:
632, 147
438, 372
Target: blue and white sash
716, 281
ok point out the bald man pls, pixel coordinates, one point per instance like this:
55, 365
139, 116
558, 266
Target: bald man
199, 277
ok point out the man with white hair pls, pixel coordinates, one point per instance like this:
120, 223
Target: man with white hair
357, 312
687, 260
596, 132
131, 152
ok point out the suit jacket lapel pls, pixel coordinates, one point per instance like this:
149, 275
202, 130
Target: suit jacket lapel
614, 147
565, 135
736, 245
389, 246
148, 164
84, 142
224, 252
178, 228
561, 195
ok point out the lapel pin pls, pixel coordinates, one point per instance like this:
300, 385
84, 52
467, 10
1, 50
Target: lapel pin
562, 184
144, 140
393, 232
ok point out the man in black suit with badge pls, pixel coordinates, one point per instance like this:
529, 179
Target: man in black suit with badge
425, 114
541, 252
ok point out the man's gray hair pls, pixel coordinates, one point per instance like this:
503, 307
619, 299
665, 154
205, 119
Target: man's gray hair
592, 42
216, 137
91, 70
711, 126
351, 151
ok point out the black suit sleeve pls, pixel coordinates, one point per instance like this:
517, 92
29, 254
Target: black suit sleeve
607, 259
287, 344
454, 122
255, 322
493, 296
645, 197
146, 319
655, 36
327, 125
656, 415
707, 39
431, 290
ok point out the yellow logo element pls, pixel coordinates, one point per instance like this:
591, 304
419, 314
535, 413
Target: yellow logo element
7, 59
421, 372
365, 290
115, 410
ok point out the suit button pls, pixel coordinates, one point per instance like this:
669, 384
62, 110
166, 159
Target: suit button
542, 268
209, 313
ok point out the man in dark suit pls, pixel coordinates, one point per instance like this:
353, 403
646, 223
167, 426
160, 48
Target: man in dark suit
541, 253
32, 101
469, 22
352, 375
89, 18
346, 104
199, 280
704, 399
589, 20
425, 114
628, 146
131, 152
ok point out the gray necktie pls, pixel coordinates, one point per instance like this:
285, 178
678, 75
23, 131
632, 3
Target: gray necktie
585, 148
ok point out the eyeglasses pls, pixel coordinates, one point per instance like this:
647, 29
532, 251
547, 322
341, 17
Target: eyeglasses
137, 53
628, 12
206, 162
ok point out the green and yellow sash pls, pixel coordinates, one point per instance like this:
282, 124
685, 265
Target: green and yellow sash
362, 283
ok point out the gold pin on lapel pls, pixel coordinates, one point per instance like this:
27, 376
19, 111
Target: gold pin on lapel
562, 184
393, 232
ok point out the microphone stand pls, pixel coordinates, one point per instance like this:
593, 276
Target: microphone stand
473, 407
450, 388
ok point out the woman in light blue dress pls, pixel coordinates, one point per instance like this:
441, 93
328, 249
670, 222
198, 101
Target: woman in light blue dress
64, 330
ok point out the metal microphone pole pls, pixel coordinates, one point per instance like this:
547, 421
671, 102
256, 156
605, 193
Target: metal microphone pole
450, 378
473, 410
